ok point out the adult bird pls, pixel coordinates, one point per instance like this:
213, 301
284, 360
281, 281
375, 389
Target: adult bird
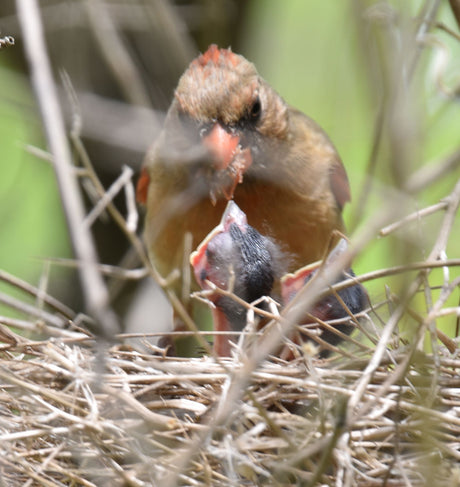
228, 135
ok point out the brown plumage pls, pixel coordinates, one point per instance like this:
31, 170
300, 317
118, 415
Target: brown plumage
227, 135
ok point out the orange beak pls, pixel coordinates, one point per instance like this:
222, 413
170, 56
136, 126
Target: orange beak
222, 146
230, 160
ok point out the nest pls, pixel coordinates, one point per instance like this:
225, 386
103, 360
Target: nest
81, 414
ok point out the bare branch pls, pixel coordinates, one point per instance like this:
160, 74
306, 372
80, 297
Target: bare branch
94, 290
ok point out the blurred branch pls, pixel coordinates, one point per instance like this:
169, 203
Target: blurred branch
430, 173
371, 165
120, 220
40, 327
31, 310
108, 196
424, 27
417, 215
108, 270
101, 122
116, 53
453, 202
445, 28
174, 31
64, 16
35, 292
94, 289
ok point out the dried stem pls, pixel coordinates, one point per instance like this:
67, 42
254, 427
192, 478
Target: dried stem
94, 290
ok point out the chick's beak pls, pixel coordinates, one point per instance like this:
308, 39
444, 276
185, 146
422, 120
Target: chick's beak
198, 259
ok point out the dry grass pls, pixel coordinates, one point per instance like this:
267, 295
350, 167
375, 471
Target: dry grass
73, 414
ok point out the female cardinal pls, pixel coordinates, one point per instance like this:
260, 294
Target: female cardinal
235, 256
229, 135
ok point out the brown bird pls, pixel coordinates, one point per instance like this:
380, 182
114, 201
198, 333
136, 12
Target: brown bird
229, 135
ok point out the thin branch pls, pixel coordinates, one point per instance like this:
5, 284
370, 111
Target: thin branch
432, 172
439, 246
109, 195
417, 215
424, 27
94, 289
115, 52
35, 292
30, 310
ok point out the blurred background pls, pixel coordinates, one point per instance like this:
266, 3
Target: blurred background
383, 85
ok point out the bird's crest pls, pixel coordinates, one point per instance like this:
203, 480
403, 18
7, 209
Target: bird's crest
216, 56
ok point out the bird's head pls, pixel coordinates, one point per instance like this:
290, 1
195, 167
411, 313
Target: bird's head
222, 105
235, 257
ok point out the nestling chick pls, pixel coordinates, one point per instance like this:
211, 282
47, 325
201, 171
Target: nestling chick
235, 255
329, 307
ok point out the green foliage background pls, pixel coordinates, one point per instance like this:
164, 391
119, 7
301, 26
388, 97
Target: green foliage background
32, 226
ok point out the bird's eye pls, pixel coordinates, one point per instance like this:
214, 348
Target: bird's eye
256, 110
210, 252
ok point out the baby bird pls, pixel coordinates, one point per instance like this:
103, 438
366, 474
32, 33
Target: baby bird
235, 256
